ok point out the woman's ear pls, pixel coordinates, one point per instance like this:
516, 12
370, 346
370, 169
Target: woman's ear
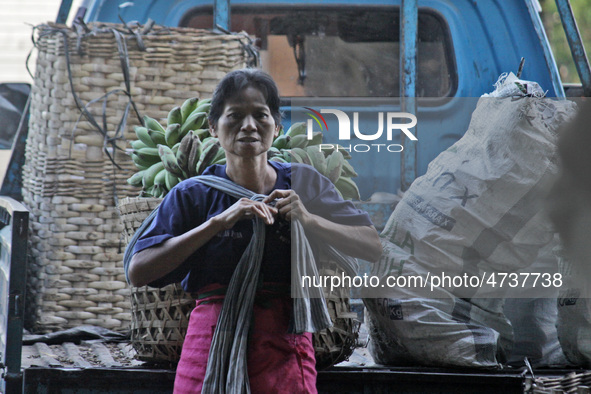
212, 131
278, 129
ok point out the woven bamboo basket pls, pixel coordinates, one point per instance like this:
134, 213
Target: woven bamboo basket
160, 317
76, 167
337, 343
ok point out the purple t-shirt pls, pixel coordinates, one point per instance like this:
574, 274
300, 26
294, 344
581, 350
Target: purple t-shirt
191, 203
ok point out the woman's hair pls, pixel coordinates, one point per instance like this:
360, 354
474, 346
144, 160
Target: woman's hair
237, 80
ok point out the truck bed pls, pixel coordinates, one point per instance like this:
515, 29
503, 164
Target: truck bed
99, 366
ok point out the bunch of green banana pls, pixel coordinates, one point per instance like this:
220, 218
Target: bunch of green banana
330, 159
334, 166
185, 148
167, 155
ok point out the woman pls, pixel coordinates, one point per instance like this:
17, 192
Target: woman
200, 234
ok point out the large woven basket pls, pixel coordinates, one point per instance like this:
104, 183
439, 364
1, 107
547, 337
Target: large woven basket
160, 317
76, 167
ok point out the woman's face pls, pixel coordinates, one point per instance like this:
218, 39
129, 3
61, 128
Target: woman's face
246, 127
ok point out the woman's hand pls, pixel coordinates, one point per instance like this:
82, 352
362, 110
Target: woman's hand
356, 241
289, 205
246, 209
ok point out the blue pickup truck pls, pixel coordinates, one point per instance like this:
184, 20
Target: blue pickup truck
432, 58
347, 54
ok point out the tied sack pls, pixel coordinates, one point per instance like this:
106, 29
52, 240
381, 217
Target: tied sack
478, 210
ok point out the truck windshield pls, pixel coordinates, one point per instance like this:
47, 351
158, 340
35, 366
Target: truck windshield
345, 52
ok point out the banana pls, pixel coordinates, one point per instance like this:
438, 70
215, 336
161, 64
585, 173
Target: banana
175, 148
147, 192
207, 157
202, 134
153, 124
348, 170
172, 135
147, 153
299, 141
174, 116
145, 157
317, 158
195, 121
345, 152
209, 141
142, 135
158, 137
187, 107
282, 142
302, 155
348, 188
203, 106
296, 129
169, 160
140, 163
221, 160
194, 156
171, 180
316, 138
219, 157
332, 147
294, 157
182, 155
136, 179
156, 191
160, 178
279, 159
286, 155
137, 144
272, 152
150, 174
334, 165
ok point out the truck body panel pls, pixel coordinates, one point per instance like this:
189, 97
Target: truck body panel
482, 41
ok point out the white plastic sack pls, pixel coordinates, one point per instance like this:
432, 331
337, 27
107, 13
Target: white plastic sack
477, 210
438, 332
534, 318
479, 207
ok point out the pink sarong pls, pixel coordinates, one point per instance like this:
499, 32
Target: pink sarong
278, 362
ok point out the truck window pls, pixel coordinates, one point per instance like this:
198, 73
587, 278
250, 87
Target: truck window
344, 52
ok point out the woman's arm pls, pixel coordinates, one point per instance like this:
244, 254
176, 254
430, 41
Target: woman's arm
356, 241
154, 262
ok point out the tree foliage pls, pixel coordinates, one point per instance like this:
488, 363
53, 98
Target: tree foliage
558, 42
